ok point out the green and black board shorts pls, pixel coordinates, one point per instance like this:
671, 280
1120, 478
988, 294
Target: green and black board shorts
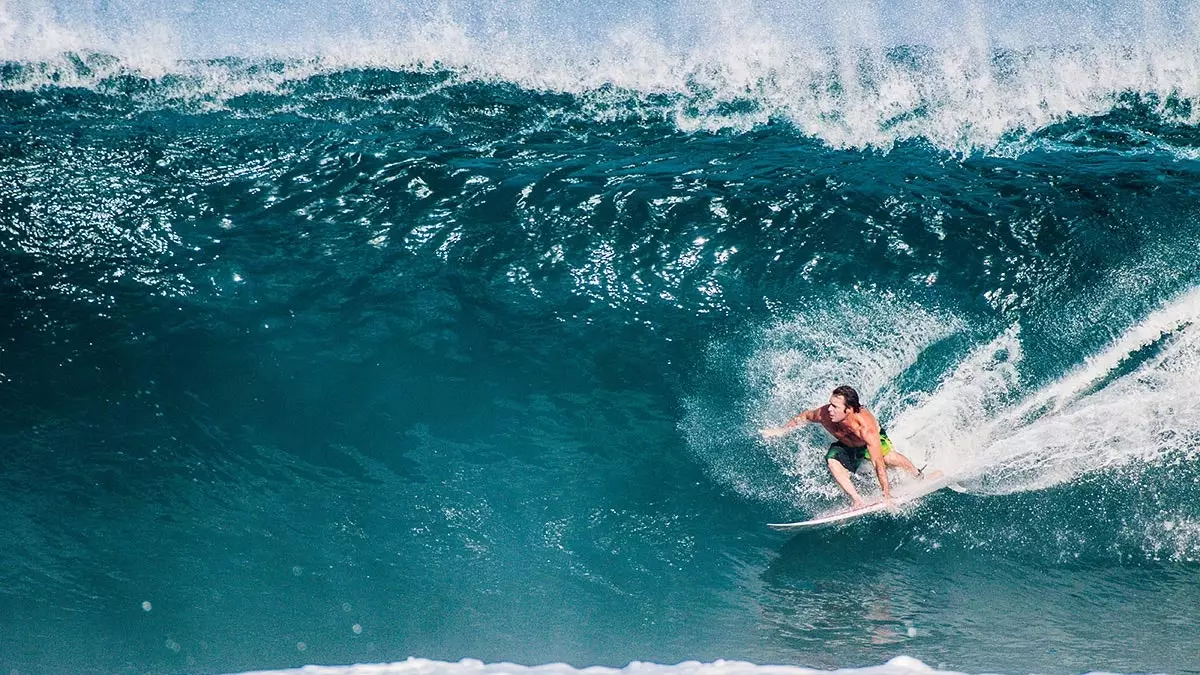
852, 457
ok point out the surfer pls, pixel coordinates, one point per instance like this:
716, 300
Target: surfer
859, 437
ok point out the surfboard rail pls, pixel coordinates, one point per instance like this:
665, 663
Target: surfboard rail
934, 481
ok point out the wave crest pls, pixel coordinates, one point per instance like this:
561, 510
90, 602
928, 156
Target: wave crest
729, 70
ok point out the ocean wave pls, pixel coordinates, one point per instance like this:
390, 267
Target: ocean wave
962, 100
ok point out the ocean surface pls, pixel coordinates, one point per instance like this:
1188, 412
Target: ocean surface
439, 336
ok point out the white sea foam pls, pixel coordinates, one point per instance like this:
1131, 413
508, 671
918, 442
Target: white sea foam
985, 78
900, 665
950, 428
1111, 411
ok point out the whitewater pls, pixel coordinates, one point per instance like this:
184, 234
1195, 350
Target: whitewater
359, 337
898, 666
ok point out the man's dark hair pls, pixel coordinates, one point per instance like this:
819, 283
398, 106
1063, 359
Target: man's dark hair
849, 396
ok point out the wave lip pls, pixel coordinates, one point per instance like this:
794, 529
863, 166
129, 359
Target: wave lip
853, 75
958, 99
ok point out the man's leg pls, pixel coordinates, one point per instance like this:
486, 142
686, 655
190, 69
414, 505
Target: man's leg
898, 461
842, 476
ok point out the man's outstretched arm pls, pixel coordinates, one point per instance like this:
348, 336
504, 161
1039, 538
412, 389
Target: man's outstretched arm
806, 416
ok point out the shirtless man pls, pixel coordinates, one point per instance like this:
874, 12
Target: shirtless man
858, 437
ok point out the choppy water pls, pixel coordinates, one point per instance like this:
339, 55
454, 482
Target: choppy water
439, 345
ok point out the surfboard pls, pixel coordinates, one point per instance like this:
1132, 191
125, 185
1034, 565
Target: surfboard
909, 493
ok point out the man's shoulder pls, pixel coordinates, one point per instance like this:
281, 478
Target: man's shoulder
865, 419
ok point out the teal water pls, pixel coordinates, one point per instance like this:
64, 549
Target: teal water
312, 362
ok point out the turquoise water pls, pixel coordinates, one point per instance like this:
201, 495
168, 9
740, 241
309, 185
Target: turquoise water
454, 343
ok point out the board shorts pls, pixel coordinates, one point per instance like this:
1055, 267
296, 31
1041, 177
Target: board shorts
852, 457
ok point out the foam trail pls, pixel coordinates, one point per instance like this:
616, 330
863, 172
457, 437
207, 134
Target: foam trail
1121, 406
945, 429
1179, 315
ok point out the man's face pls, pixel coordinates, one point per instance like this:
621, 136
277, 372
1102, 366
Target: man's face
837, 408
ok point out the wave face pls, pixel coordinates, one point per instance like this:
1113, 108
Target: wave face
452, 339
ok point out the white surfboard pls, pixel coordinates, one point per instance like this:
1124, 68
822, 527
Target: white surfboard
909, 493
